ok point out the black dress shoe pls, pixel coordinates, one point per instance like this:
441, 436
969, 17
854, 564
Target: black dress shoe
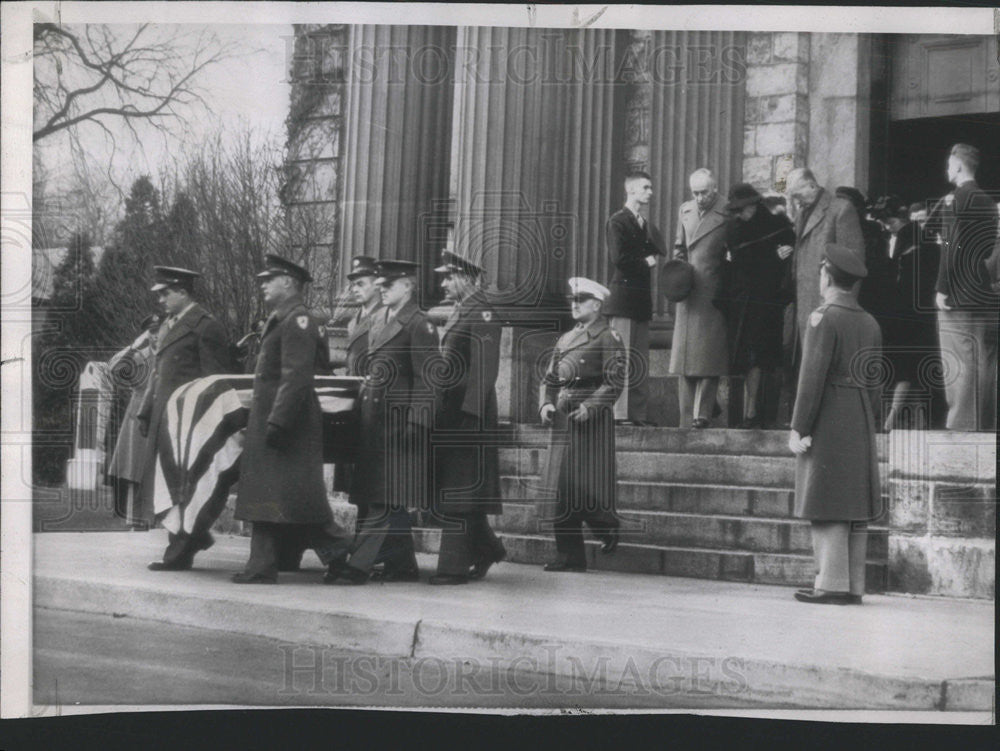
400, 575
751, 423
699, 423
448, 579
610, 545
558, 566
823, 598
182, 564
479, 568
853, 599
347, 576
245, 577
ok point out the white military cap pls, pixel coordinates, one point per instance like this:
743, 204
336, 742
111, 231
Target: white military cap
587, 287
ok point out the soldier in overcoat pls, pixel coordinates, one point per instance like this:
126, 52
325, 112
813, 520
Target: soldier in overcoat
583, 380
281, 488
369, 300
392, 473
467, 463
699, 354
833, 430
191, 344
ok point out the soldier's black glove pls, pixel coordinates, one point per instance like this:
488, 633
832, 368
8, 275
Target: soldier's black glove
276, 437
143, 427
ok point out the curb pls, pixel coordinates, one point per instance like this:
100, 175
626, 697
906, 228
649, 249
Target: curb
597, 666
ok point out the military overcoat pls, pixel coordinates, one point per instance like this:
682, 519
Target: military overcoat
467, 464
397, 404
700, 340
285, 484
837, 479
193, 347
587, 367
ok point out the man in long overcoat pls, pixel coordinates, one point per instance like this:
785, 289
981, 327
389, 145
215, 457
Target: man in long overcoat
369, 300
699, 354
583, 380
966, 304
281, 487
634, 246
466, 457
132, 367
822, 219
191, 344
392, 473
833, 431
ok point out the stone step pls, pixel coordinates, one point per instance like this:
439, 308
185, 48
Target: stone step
686, 469
687, 440
789, 569
660, 496
685, 530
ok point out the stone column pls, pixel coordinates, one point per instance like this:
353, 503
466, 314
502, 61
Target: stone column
776, 132
396, 150
533, 148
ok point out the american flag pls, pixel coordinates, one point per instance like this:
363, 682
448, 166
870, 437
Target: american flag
201, 441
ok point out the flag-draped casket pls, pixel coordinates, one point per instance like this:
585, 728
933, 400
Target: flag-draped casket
201, 441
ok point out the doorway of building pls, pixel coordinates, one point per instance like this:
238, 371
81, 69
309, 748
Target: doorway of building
918, 153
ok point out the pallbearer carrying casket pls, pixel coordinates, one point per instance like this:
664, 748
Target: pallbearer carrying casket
281, 473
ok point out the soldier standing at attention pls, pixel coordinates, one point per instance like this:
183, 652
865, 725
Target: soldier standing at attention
281, 486
833, 431
392, 473
467, 462
579, 390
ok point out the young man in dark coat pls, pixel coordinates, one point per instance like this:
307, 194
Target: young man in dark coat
281, 487
467, 463
583, 380
833, 431
392, 473
967, 306
190, 344
633, 247
756, 310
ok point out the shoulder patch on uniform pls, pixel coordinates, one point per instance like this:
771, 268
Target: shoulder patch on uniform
487, 316
430, 327
302, 321
815, 317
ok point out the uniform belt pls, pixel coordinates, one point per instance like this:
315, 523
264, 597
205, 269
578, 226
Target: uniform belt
847, 381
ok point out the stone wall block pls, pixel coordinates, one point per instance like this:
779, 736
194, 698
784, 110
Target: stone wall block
909, 506
759, 48
908, 569
776, 79
963, 511
790, 46
775, 139
757, 171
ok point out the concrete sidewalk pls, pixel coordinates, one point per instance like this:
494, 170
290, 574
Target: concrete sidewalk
752, 643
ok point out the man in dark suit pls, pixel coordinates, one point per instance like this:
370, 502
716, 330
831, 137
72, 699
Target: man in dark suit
467, 463
966, 303
281, 470
583, 381
633, 247
191, 344
392, 473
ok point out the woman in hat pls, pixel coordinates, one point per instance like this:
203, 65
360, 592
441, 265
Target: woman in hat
757, 302
909, 322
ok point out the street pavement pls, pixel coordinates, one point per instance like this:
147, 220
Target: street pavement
575, 640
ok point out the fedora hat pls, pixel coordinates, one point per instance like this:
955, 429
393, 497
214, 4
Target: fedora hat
676, 280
